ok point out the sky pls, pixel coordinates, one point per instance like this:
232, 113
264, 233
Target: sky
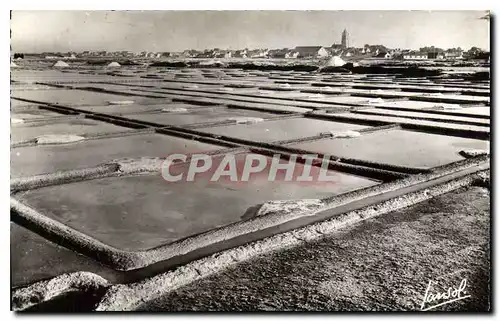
38, 31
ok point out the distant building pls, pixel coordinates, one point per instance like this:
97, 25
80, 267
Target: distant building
432, 55
292, 54
453, 54
311, 52
164, 54
190, 53
383, 55
377, 49
278, 53
204, 54
334, 50
240, 54
258, 53
217, 53
351, 52
125, 53
175, 55
415, 55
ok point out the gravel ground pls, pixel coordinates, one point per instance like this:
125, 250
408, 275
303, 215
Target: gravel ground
381, 264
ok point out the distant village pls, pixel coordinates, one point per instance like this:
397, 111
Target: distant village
341, 49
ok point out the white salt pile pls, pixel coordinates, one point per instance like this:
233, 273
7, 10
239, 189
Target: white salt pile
120, 102
335, 61
289, 206
174, 110
375, 101
61, 64
346, 134
447, 107
16, 120
316, 96
58, 139
142, 164
246, 120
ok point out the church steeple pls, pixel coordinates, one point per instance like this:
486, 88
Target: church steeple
345, 39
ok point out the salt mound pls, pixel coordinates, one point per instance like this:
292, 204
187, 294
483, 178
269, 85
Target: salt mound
375, 101
58, 139
120, 102
447, 107
454, 106
289, 206
114, 64
317, 96
143, 164
174, 110
346, 134
61, 64
285, 85
46, 290
469, 153
16, 120
246, 120
335, 61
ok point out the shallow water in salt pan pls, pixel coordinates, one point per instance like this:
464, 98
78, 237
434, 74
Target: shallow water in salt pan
140, 212
398, 147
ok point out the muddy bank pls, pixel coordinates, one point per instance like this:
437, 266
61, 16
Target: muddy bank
404, 71
294, 67
411, 71
408, 71
177, 64
482, 75
430, 63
